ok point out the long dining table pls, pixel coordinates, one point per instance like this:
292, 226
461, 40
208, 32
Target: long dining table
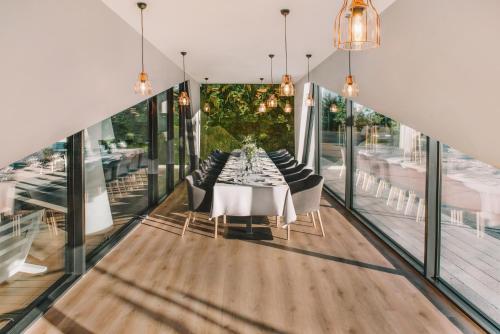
256, 192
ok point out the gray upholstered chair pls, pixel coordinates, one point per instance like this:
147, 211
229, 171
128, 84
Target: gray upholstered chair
293, 170
286, 165
283, 159
302, 175
306, 196
199, 200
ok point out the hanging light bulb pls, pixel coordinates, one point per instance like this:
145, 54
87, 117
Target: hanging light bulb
184, 99
206, 106
262, 105
350, 88
143, 85
310, 98
357, 26
334, 108
287, 88
272, 101
288, 108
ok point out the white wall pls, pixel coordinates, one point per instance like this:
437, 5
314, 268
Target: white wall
437, 70
66, 65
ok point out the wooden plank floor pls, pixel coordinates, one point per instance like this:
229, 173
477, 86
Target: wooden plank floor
154, 281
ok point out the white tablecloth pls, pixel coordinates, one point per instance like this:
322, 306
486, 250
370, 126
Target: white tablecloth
253, 198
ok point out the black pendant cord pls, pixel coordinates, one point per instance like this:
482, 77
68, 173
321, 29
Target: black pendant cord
142, 40
308, 79
184, 67
349, 62
272, 79
286, 51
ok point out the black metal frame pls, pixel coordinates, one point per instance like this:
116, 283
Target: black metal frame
76, 260
430, 268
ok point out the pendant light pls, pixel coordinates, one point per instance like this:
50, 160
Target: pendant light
143, 85
334, 108
357, 26
272, 101
288, 108
183, 96
310, 98
206, 106
351, 88
287, 88
262, 105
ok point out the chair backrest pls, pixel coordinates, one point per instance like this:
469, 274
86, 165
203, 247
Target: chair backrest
196, 195
287, 165
306, 194
302, 175
293, 170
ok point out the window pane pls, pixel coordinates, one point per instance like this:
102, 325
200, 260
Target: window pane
470, 229
176, 135
116, 179
33, 206
333, 141
390, 177
162, 144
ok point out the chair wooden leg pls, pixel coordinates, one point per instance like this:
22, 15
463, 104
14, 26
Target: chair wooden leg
216, 225
225, 220
277, 221
194, 217
321, 224
186, 223
288, 232
313, 219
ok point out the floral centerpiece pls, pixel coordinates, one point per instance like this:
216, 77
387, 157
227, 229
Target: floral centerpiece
249, 148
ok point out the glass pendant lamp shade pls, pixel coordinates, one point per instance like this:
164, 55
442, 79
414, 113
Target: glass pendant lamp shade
357, 26
143, 85
350, 88
262, 106
272, 101
310, 101
333, 108
288, 108
184, 99
286, 88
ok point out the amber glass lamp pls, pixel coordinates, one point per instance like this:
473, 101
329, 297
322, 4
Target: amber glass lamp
357, 26
184, 99
350, 88
143, 85
288, 108
286, 88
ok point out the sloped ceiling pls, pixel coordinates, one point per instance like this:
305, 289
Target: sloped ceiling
229, 40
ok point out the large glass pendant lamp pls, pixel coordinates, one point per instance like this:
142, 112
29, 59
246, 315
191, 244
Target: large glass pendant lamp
286, 88
143, 85
272, 101
262, 105
184, 99
357, 26
351, 88
310, 98
206, 106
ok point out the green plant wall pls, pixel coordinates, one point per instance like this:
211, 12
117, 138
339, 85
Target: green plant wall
233, 115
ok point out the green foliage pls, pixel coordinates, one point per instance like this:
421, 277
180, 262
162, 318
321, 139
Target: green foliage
234, 109
217, 137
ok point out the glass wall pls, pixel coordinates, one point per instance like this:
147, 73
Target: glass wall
470, 229
33, 207
177, 145
162, 144
390, 177
116, 178
333, 141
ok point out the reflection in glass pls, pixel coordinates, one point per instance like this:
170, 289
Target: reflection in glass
333, 141
470, 229
390, 177
162, 144
116, 180
33, 207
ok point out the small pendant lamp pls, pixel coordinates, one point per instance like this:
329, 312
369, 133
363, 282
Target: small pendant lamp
262, 105
143, 85
184, 99
286, 88
206, 106
351, 88
272, 101
310, 98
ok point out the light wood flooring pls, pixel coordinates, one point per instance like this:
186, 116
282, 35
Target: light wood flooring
154, 281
